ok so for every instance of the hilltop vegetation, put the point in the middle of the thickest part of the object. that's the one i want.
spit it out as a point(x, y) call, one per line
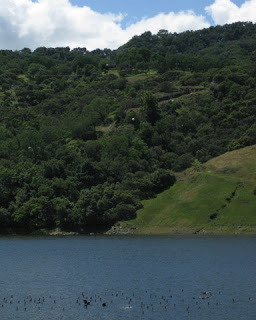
point(86, 136)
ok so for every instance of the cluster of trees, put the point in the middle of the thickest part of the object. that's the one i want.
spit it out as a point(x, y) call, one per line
point(83, 138)
point(200, 50)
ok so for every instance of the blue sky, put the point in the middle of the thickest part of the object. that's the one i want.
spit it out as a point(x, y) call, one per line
point(145, 7)
point(109, 24)
point(136, 9)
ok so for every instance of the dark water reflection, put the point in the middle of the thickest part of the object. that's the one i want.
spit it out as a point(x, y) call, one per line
point(126, 278)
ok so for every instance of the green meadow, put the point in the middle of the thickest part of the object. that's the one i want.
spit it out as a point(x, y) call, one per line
point(217, 197)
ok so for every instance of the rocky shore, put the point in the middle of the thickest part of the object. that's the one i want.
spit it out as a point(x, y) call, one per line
point(119, 230)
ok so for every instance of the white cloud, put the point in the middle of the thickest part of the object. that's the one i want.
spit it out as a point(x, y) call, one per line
point(225, 11)
point(54, 23)
point(173, 22)
point(24, 23)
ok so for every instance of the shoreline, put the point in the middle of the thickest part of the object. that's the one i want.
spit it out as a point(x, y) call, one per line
point(133, 231)
point(177, 231)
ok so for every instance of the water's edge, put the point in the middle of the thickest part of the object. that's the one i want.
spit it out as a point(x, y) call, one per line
point(122, 231)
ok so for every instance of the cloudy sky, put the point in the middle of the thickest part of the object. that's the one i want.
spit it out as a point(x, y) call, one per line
point(109, 23)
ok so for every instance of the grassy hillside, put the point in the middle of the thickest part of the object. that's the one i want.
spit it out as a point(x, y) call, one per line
point(217, 197)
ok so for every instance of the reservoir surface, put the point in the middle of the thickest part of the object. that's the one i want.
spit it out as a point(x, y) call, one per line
point(128, 278)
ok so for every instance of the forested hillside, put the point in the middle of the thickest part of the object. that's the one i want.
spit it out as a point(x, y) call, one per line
point(85, 136)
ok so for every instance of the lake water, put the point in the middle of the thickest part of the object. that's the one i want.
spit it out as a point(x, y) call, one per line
point(128, 278)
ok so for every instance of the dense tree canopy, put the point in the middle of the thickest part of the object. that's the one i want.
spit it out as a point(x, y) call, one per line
point(85, 136)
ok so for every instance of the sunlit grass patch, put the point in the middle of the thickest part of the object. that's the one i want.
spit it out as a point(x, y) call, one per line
point(218, 199)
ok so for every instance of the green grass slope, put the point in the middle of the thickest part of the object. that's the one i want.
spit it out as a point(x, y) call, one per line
point(217, 197)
